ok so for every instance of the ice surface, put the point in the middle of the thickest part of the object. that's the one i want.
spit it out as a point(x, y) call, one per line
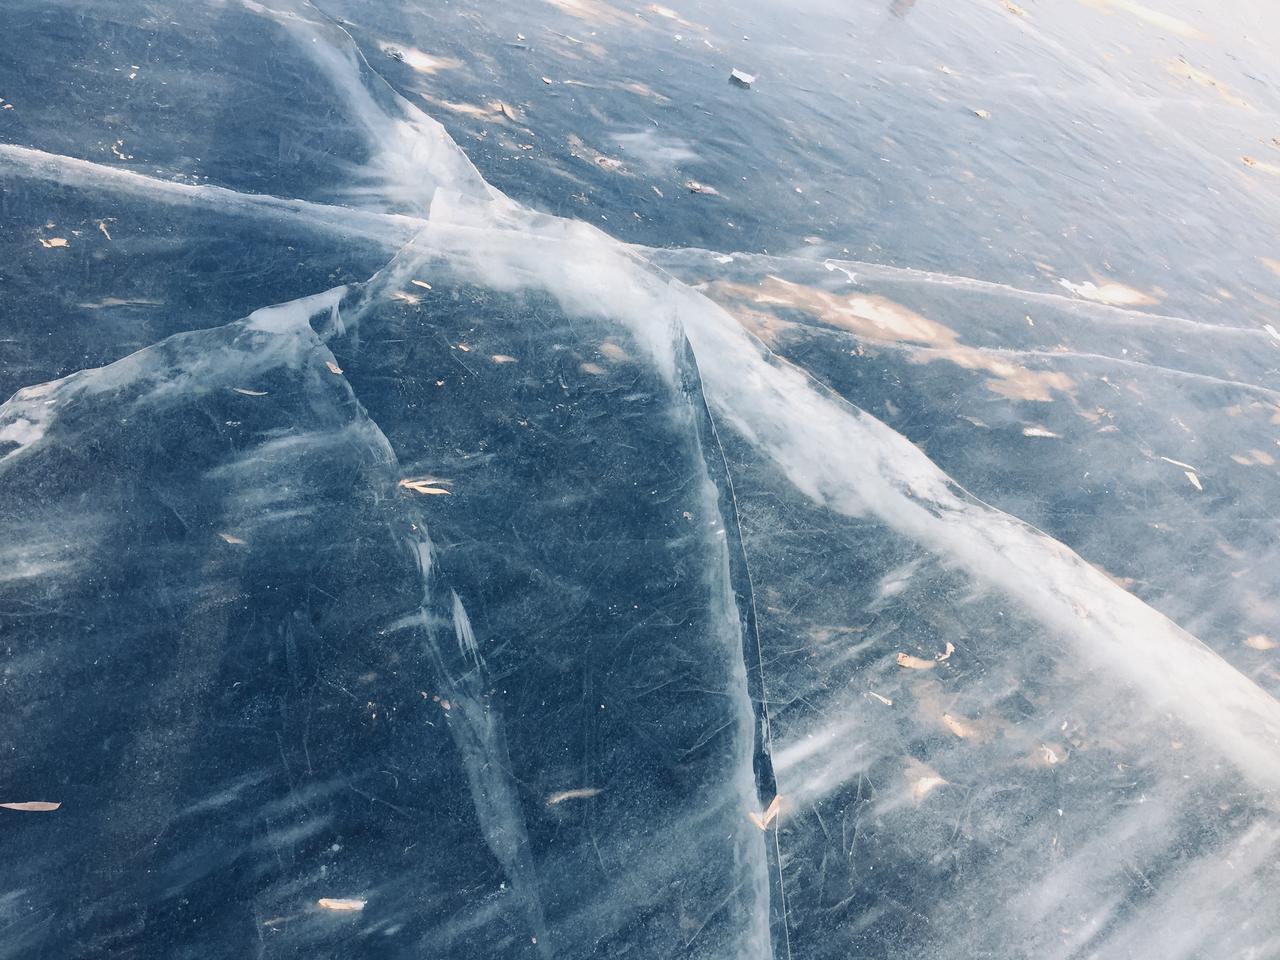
point(465, 541)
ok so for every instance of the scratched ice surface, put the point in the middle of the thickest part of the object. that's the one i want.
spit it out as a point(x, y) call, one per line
point(431, 527)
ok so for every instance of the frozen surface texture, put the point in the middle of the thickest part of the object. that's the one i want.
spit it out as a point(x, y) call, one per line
point(479, 483)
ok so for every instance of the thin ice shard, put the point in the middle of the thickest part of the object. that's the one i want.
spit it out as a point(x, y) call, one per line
point(466, 636)
point(578, 793)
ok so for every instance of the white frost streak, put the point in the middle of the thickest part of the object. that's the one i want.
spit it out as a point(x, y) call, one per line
point(817, 763)
point(852, 463)
point(387, 228)
point(413, 156)
point(837, 455)
point(292, 316)
point(466, 636)
point(832, 452)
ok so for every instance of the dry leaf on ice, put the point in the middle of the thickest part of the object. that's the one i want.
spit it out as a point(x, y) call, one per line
point(1261, 165)
point(770, 814)
point(957, 726)
point(914, 663)
point(1110, 292)
point(424, 485)
point(33, 806)
point(340, 904)
point(923, 780)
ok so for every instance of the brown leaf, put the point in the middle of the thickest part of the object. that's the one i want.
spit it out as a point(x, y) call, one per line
point(613, 351)
point(53, 242)
point(1260, 641)
point(957, 726)
point(231, 538)
point(921, 787)
point(421, 283)
point(424, 485)
point(333, 367)
point(1262, 165)
point(942, 657)
point(1110, 292)
point(33, 806)
point(923, 780)
point(340, 904)
point(1046, 756)
point(914, 663)
point(770, 814)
